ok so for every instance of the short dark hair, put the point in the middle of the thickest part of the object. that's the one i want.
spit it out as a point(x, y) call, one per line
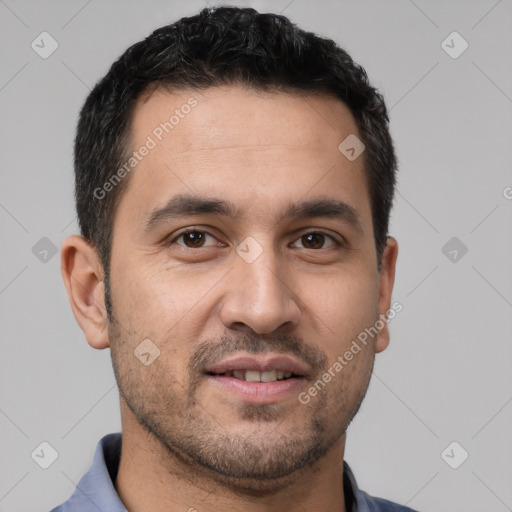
point(223, 46)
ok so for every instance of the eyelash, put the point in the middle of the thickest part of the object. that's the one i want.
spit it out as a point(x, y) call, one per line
point(172, 239)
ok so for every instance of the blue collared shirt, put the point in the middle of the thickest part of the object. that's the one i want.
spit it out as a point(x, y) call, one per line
point(95, 492)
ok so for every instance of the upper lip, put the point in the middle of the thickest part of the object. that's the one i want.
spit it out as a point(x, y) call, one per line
point(260, 364)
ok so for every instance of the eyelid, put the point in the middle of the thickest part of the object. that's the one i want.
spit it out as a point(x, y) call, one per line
point(171, 239)
point(319, 231)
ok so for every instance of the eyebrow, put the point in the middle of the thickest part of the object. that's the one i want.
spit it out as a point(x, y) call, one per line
point(186, 205)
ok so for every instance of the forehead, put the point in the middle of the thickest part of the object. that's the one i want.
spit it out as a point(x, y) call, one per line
point(257, 149)
point(232, 115)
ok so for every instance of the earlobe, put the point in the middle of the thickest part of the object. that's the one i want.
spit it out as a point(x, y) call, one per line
point(387, 280)
point(83, 275)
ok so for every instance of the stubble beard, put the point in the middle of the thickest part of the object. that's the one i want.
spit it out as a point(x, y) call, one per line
point(266, 460)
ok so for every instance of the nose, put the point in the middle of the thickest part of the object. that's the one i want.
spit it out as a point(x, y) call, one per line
point(259, 297)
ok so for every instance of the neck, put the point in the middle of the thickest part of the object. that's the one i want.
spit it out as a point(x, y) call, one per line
point(149, 477)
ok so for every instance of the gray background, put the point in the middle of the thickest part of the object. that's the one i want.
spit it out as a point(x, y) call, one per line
point(447, 373)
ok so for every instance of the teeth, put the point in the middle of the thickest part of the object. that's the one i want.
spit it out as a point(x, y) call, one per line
point(239, 374)
point(252, 376)
point(269, 376)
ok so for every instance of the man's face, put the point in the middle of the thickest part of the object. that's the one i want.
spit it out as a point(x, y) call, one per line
point(260, 295)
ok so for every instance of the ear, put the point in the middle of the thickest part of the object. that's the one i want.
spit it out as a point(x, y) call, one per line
point(386, 282)
point(83, 277)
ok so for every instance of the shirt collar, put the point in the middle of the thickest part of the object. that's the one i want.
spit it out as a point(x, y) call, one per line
point(95, 492)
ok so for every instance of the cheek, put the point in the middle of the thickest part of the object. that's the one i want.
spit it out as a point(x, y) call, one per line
point(148, 297)
point(167, 305)
point(342, 306)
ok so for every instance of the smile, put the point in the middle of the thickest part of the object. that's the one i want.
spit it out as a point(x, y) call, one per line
point(267, 379)
point(256, 376)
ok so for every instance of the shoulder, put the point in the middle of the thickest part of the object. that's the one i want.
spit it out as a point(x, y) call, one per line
point(368, 503)
point(363, 502)
point(96, 490)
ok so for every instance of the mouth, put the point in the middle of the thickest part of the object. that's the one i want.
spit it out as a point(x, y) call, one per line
point(257, 376)
point(259, 380)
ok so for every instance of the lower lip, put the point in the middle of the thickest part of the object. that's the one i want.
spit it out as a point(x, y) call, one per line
point(259, 392)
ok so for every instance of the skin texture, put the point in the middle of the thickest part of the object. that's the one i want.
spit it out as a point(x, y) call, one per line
point(187, 443)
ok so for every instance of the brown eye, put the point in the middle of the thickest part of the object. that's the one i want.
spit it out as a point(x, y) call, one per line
point(193, 239)
point(316, 240)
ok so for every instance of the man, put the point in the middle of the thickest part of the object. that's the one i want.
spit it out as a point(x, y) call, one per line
point(234, 178)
